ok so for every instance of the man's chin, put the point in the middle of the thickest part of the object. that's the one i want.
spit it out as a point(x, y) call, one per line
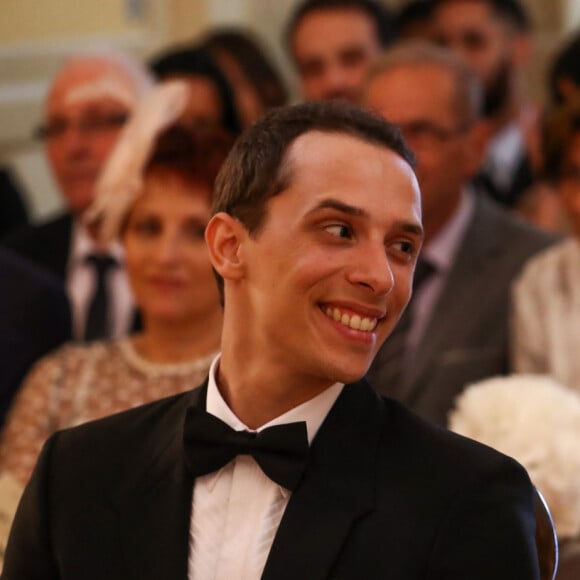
point(351, 374)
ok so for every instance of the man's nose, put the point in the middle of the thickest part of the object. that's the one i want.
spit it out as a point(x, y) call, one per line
point(73, 141)
point(336, 79)
point(373, 269)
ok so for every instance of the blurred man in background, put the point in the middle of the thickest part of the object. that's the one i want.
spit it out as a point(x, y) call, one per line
point(333, 44)
point(455, 330)
point(493, 37)
point(88, 103)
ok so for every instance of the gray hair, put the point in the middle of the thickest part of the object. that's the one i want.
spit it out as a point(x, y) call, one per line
point(136, 72)
point(468, 89)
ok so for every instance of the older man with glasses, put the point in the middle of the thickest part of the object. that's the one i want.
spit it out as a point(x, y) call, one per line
point(87, 105)
point(455, 330)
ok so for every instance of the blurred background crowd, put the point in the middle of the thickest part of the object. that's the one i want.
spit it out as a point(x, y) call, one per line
point(117, 116)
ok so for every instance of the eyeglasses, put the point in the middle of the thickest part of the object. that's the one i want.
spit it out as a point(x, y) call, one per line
point(86, 126)
point(424, 134)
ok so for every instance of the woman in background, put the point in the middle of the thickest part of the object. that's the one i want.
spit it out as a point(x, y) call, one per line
point(156, 195)
point(211, 101)
point(256, 83)
point(546, 297)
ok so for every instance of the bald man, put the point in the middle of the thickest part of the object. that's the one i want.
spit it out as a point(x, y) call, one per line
point(87, 105)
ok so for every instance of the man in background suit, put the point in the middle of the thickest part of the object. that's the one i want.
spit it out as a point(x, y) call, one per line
point(457, 325)
point(34, 319)
point(86, 107)
point(275, 468)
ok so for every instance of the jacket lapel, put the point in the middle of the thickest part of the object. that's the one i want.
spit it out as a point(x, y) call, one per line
point(460, 299)
point(155, 508)
point(337, 488)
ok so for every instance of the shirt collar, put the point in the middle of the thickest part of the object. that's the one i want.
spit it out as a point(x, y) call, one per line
point(313, 412)
point(83, 245)
point(504, 152)
point(442, 248)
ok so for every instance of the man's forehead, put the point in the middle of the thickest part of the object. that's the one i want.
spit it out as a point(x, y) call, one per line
point(340, 15)
point(474, 13)
point(314, 149)
point(94, 83)
point(383, 90)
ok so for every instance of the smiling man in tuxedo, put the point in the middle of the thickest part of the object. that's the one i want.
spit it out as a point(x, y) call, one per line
point(285, 464)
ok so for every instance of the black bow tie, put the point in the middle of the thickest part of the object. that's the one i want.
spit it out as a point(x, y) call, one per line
point(280, 451)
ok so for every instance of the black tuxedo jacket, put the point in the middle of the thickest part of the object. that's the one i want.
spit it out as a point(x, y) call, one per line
point(34, 318)
point(384, 495)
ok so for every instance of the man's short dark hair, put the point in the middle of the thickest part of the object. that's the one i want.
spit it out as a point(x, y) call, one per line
point(257, 168)
point(510, 11)
point(377, 12)
point(413, 12)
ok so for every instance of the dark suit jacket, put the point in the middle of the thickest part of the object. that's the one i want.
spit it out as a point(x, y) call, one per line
point(34, 319)
point(49, 246)
point(46, 244)
point(384, 495)
point(13, 210)
point(467, 336)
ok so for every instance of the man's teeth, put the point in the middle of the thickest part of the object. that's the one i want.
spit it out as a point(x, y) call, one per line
point(355, 321)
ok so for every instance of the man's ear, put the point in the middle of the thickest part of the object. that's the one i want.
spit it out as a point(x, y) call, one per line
point(224, 235)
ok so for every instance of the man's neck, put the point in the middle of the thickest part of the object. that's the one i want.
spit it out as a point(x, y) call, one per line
point(257, 390)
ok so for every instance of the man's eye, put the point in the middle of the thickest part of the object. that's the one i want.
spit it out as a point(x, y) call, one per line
point(473, 40)
point(339, 230)
point(441, 40)
point(405, 248)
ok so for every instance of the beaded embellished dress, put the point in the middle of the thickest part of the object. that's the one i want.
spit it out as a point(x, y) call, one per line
point(78, 383)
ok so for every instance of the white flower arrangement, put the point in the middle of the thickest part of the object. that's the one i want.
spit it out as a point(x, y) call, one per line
point(535, 420)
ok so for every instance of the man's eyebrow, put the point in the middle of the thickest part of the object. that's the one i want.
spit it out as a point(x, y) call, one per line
point(330, 203)
point(412, 228)
point(339, 206)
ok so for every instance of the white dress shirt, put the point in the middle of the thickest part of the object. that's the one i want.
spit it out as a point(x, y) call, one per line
point(236, 510)
point(81, 282)
point(505, 151)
